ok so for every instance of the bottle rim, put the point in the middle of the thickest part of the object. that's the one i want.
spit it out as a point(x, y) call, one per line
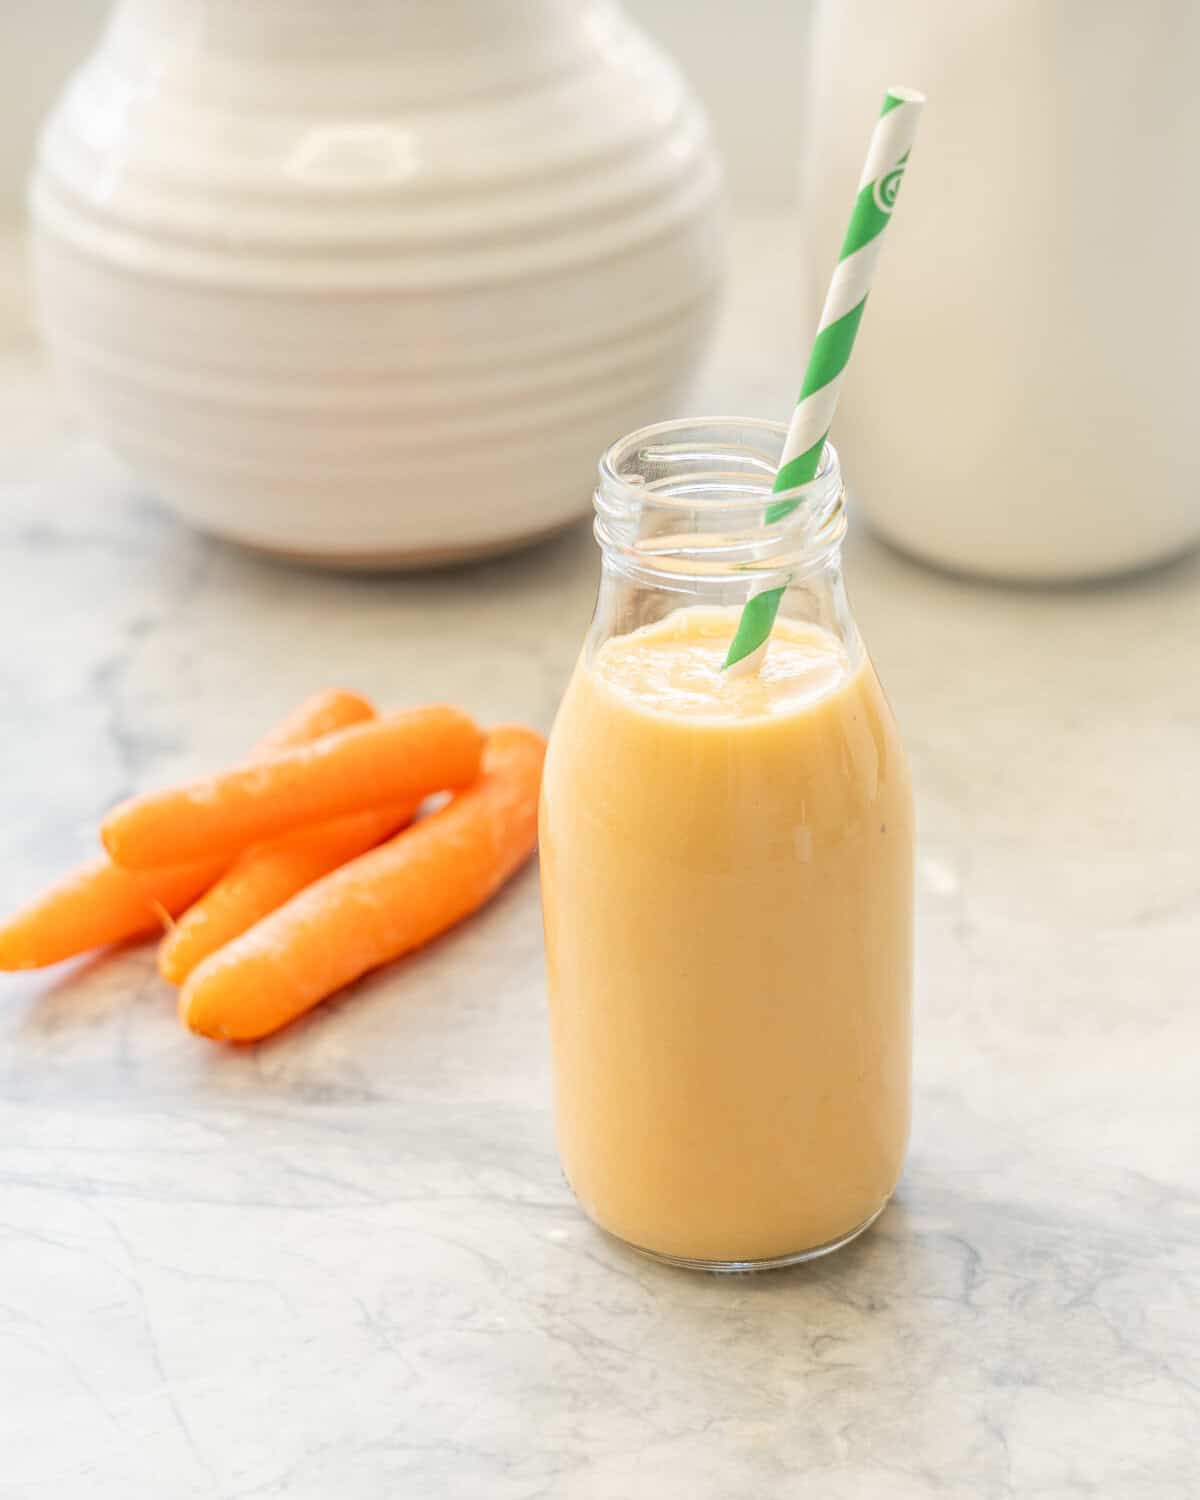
point(691, 498)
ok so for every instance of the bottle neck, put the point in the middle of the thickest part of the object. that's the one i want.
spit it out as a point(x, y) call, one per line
point(629, 600)
point(686, 517)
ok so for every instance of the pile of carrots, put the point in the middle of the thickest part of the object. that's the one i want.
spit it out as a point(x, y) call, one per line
point(286, 877)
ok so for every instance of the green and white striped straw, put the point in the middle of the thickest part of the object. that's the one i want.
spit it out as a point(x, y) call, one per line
point(887, 157)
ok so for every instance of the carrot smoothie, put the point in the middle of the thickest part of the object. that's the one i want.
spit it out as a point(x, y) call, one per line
point(728, 888)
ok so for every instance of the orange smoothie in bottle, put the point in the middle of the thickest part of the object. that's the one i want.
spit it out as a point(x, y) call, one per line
point(727, 887)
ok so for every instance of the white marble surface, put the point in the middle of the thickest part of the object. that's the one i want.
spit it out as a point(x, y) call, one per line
point(345, 1264)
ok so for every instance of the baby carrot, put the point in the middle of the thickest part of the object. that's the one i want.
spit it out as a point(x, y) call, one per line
point(264, 878)
point(99, 903)
point(95, 904)
point(401, 757)
point(378, 906)
point(322, 713)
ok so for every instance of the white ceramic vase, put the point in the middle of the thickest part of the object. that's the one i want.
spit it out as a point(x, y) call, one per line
point(374, 281)
point(1021, 399)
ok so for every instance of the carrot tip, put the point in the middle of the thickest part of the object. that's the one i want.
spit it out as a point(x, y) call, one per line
point(189, 1015)
point(168, 969)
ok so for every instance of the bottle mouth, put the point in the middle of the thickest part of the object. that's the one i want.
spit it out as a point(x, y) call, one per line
point(693, 499)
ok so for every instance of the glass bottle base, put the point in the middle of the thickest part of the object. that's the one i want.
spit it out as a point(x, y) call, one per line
point(745, 1267)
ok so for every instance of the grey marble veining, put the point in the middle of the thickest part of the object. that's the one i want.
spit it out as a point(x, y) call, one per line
point(344, 1263)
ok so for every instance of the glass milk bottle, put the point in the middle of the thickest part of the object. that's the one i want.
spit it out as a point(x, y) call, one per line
point(726, 872)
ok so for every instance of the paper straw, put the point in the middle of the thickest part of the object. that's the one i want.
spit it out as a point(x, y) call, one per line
point(887, 157)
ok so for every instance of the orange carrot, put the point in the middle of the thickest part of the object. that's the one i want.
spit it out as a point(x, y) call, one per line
point(264, 878)
point(99, 903)
point(323, 713)
point(95, 904)
point(378, 906)
point(398, 758)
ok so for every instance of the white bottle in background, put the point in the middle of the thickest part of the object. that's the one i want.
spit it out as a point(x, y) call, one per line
point(1022, 398)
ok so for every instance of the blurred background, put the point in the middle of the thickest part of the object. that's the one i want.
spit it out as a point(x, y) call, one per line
point(755, 128)
point(572, 221)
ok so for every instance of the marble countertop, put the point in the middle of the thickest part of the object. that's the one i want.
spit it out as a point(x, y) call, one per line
point(344, 1263)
